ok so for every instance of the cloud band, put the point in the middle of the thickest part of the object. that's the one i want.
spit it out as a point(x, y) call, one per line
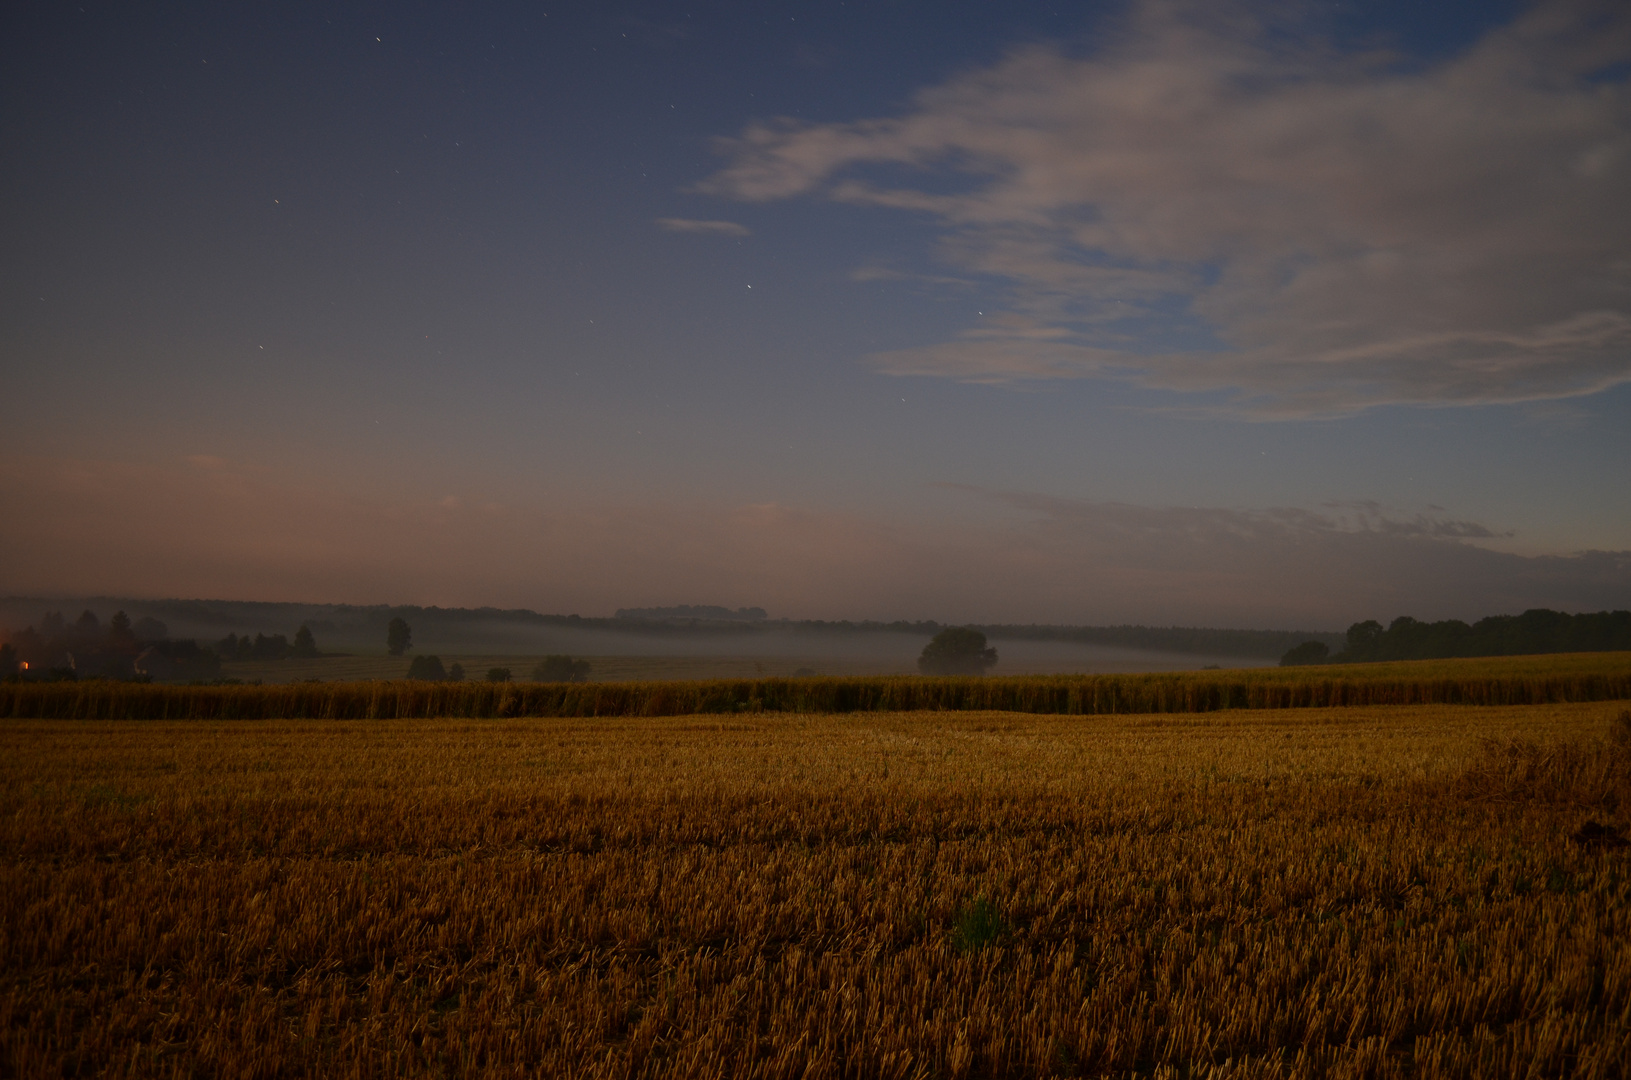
point(1338, 232)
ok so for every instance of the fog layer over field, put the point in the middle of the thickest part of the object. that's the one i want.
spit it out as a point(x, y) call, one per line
point(778, 648)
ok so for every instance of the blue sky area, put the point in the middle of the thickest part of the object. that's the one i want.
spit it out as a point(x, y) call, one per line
point(1231, 314)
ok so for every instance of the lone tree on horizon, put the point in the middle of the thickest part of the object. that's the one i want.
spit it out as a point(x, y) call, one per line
point(957, 650)
point(398, 636)
point(304, 643)
point(119, 632)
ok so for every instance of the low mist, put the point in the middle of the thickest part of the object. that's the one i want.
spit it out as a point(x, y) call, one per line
point(771, 647)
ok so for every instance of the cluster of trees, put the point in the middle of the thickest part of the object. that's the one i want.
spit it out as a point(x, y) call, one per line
point(1309, 652)
point(549, 669)
point(1537, 630)
point(268, 646)
point(959, 650)
point(399, 635)
point(560, 668)
point(1179, 639)
point(430, 669)
point(58, 649)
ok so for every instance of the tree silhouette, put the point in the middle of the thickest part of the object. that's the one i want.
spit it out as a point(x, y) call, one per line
point(557, 668)
point(1309, 652)
point(304, 643)
point(1362, 639)
point(398, 636)
point(428, 668)
point(956, 651)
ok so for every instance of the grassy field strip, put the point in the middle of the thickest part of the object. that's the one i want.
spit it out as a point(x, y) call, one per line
point(1390, 891)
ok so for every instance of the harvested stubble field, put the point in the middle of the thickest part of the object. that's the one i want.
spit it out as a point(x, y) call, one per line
point(1387, 891)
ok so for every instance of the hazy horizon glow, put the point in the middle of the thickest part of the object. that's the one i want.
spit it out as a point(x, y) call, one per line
point(1155, 312)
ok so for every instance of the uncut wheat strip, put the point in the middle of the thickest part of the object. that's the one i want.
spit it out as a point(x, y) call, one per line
point(1067, 694)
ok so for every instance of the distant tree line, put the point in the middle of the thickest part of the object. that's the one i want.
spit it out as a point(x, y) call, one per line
point(141, 650)
point(58, 650)
point(1181, 639)
point(1537, 630)
point(863, 626)
point(268, 646)
point(694, 611)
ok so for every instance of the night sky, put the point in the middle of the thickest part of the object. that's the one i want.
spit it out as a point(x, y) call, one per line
point(1264, 315)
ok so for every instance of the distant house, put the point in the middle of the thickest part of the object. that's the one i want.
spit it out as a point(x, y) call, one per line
point(155, 665)
point(98, 663)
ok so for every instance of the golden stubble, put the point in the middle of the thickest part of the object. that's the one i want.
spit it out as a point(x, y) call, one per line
point(1366, 892)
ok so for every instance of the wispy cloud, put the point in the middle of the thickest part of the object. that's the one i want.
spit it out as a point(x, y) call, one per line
point(1211, 204)
point(688, 225)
